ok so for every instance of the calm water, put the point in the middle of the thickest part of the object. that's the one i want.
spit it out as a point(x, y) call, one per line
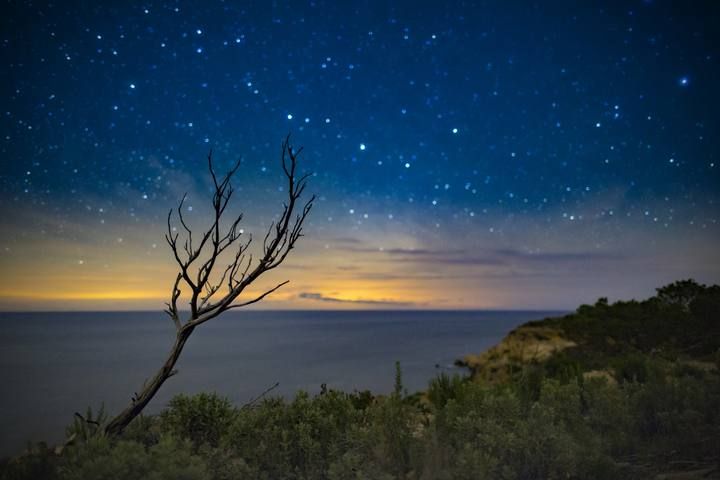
point(53, 364)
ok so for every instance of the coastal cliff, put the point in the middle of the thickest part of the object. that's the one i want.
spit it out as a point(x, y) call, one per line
point(527, 344)
point(679, 328)
point(658, 346)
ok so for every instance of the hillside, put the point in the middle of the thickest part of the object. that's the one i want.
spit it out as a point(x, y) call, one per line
point(679, 327)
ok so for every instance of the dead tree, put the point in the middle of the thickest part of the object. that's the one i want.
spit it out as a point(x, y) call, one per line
point(198, 260)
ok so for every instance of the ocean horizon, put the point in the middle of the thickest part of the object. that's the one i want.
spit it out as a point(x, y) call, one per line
point(56, 363)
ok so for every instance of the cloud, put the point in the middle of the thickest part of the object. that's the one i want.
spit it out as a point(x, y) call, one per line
point(381, 276)
point(556, 257)
point(422, 252)
point(425, 255)
point(322, 298)
point(347, 240)
point(496, 257)
point(504, 258)
point(453, 260)
point(415, 252)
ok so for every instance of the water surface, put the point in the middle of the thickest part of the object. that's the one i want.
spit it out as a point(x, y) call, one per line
point(53, 364)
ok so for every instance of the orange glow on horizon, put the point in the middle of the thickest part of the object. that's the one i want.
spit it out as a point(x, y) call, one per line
point(83, 295)
point(131, 269)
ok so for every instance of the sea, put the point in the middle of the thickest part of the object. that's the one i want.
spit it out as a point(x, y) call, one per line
point(55, 364)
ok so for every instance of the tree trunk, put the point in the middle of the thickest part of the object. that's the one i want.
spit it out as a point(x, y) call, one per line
point(140, 400)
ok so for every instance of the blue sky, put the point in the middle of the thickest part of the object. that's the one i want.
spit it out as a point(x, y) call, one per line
point(465, 155)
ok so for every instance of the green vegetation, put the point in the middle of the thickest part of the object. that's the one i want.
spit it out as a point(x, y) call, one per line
point(632, 393)
point(680, 325)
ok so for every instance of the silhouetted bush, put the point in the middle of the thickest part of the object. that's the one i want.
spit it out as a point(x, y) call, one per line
point(101, 459)
point(202, 418)
point(38, 462)
point(631, 368)
point(443, 388)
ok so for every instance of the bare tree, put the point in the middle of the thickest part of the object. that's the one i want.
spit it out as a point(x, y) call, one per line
point(210, 296)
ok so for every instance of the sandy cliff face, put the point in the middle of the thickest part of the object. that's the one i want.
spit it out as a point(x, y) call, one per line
point(526, 344)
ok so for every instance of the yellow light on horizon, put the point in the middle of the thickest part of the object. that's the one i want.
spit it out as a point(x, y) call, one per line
point(100, 295)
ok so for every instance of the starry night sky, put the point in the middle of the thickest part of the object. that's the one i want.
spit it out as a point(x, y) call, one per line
point(465, 154)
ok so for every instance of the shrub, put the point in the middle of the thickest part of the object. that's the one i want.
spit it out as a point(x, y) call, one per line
point(144, 429)
point(631, 368)
point(296, 440)
point(202, 418)
point(443, 388)
point(85, 427)
point(39, 462)
point(100, 459)
point(609, 414)
point(392, 426)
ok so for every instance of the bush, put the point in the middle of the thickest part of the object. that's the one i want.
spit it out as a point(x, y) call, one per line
point(202, 418)
point(631, 368)
point(39, 462)
point(144, 429)
point(85, 427)
point(609, 415)
point(489, 433)
point(296, 440)
point(392, 424)
point(444, 388)
point(99, 459)
point(534, 427)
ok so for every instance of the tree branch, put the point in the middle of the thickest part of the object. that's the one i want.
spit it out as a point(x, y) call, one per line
point(257, 299)
point(237, 275)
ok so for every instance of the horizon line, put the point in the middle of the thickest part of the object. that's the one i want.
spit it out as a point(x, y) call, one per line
point(344, 310)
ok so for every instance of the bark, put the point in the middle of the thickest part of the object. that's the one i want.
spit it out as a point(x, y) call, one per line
point(140, 400)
